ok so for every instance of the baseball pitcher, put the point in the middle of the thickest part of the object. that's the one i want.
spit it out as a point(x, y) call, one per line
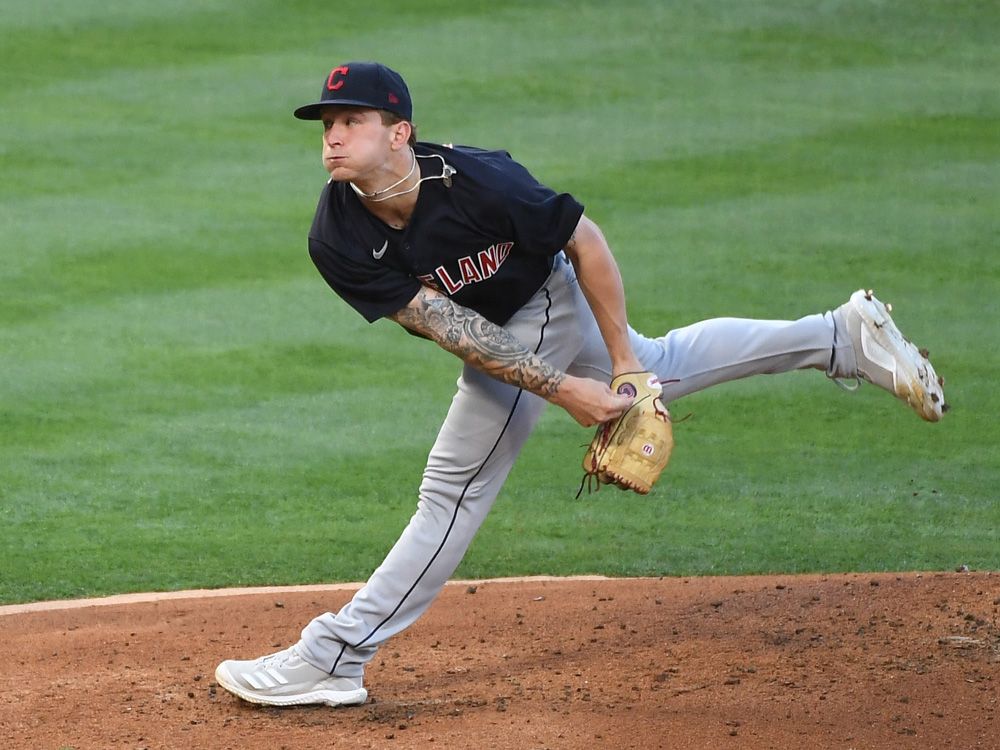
point(463, 247)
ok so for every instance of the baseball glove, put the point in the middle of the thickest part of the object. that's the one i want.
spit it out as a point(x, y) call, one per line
point(632, 450)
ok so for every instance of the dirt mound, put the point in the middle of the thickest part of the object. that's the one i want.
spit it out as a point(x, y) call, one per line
point(855, 661)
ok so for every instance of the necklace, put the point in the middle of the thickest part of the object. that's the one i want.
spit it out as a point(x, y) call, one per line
point(447, 171)
point(379, 195)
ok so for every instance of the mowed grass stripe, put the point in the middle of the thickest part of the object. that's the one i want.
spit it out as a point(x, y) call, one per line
point(184, 403)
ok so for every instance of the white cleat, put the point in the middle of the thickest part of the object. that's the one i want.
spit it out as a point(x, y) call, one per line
point(888, 359)
point(285, 679)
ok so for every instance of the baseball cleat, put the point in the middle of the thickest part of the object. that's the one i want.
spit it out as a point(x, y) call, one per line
point(888, 359)
point(285, 679)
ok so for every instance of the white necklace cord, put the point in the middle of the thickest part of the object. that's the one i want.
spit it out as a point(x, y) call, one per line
point(400, 181)
point(379, 195)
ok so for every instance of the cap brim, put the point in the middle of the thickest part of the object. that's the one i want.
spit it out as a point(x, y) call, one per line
point(312, 111)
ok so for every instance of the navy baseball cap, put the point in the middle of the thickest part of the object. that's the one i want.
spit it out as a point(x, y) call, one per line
point(362, 84)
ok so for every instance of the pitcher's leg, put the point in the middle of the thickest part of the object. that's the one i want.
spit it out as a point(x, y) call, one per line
point(856, 340)
point(475, 449)
point(715, 351)
point(486, 426)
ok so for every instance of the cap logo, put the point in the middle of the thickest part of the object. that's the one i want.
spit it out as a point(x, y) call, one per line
point(393, 99)
point(336, 79)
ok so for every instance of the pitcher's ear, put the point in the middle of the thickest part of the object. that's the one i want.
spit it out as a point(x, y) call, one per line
point(401, 134)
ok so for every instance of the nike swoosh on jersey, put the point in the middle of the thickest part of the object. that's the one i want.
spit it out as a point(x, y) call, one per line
point(377, 254)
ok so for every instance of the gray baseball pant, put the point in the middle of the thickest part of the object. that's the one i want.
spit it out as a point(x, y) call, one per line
point(489, 421)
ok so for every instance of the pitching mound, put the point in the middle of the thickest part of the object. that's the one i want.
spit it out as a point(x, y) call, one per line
point(857, 661)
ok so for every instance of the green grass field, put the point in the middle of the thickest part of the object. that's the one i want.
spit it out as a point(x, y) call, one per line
point(183, 402)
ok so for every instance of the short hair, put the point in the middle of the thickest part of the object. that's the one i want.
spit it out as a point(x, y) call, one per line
point(391, 118)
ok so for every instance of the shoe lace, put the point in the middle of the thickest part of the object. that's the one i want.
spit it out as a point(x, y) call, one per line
point(279, 658)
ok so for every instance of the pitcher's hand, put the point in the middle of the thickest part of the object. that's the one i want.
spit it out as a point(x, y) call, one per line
point(589, 401)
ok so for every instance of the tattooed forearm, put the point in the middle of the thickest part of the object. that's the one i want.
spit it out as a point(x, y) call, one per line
point(478, 342)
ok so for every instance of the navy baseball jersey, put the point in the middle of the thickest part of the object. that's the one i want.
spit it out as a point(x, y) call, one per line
point(486, 237)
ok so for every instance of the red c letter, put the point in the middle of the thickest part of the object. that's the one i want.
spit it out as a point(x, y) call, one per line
point(337, 73)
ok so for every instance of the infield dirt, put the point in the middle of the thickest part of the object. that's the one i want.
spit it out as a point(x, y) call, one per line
point(860, 661)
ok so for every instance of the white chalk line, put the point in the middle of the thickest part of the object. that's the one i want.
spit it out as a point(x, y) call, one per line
point(161, 596)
